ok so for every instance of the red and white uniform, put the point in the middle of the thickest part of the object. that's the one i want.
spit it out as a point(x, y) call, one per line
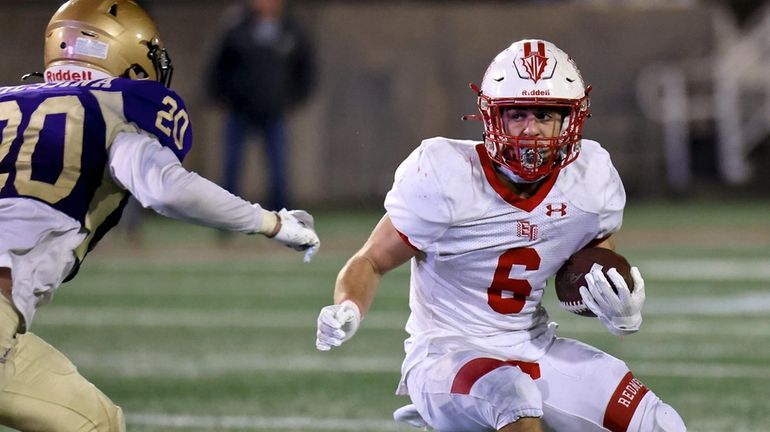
point(479, 335)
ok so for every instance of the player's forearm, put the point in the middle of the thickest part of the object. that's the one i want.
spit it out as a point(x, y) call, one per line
point(358, 282)
point(157, 180)
point(192, 198)
point(360, 277)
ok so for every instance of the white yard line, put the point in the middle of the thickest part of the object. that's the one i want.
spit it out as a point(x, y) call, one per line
point(735, 304)
point(179, 421)
point(706, 269)
point(169, 365)
point(672, 268)
point(700, 370)
point(122, 316)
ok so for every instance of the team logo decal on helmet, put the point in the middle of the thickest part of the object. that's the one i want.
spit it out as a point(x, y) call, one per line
point(534, 63)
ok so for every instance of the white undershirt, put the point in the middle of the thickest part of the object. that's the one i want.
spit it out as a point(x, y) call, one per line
point(157, 180)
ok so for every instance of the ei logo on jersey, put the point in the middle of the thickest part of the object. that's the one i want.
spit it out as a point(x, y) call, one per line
point(527, 230)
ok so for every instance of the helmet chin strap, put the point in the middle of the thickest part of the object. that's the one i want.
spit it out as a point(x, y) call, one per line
point(513, 177)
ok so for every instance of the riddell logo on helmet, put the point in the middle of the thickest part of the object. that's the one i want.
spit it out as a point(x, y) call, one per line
point(545, 92)
point(67, 75)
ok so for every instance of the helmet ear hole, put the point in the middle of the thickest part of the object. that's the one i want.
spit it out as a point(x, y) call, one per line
point(113, 10)
point(136, 72)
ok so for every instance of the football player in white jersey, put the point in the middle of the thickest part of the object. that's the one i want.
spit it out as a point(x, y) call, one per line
point(102, 127)
point(485, 225)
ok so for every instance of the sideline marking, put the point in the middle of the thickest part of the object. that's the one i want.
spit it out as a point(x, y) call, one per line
point(244, 422)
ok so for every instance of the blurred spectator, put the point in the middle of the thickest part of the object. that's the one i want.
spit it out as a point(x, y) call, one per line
point(744, 9)
point(261, 69)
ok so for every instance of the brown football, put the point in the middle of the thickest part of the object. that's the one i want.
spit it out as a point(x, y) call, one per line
point(571, 276)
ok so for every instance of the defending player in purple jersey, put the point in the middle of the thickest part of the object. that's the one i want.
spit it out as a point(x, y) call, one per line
point(72, 150)
point(85, 116)
point(57, 137)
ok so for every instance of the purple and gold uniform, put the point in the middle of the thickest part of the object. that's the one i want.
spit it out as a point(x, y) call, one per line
point(72, 151)
point(56, 138)
point(59, 194)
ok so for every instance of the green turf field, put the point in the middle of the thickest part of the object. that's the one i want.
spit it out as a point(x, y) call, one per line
point(187, 334)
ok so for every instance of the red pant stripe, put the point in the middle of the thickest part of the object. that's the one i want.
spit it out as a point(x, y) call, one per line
point(477, 368)
point(623, 403)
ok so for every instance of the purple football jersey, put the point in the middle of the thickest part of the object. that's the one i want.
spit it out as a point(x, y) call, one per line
point(56, 139)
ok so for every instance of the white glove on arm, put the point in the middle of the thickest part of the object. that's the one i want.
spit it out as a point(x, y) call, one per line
point(336, 324)
point(621, 313)
point(297, 232)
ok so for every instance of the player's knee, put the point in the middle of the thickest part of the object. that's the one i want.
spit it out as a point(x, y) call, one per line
point(667, 419)
point(46, 376)
point(525, 424)
point(112, 420)
point(100, 413)
point(660, 417)
point(511, 393)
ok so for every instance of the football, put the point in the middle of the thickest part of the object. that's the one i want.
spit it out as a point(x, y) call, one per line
point(571, 276)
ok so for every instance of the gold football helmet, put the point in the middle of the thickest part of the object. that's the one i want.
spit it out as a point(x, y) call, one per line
point(116, 37)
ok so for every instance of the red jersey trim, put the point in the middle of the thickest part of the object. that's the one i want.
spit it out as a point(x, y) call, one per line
point(406, 240)
point(526, 204)
point(623, 403)
point(478, 367)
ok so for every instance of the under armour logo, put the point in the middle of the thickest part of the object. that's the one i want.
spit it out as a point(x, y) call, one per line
point(561, 210)
point(527, 230)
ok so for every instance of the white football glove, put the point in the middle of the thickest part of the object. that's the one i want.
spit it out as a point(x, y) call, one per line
point(336, 324)
point(297, 232)
point(621, 313)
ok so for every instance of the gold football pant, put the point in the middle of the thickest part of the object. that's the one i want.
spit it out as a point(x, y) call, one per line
point(41, 390)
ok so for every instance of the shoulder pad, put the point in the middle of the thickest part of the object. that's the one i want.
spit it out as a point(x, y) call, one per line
point(159, 111)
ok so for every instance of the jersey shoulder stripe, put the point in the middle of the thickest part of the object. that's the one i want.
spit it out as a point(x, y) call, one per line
point(154, 109)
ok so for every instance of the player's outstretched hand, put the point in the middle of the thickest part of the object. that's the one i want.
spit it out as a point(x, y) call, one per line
point(620, 312)
point(336, 324)
point(298, 232)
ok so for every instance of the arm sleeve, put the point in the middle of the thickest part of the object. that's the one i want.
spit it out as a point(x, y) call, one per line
point(157, 179)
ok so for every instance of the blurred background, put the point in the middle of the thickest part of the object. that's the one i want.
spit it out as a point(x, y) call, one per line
point(680, 89)
point(186, 332)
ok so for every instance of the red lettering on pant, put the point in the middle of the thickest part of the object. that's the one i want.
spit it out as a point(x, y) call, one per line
point(477, 368)
point(623, 403)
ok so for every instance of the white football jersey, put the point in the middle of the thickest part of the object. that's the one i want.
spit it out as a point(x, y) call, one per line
point(486, 253)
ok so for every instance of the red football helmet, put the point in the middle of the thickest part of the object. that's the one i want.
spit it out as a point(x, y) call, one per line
point(533, 73)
